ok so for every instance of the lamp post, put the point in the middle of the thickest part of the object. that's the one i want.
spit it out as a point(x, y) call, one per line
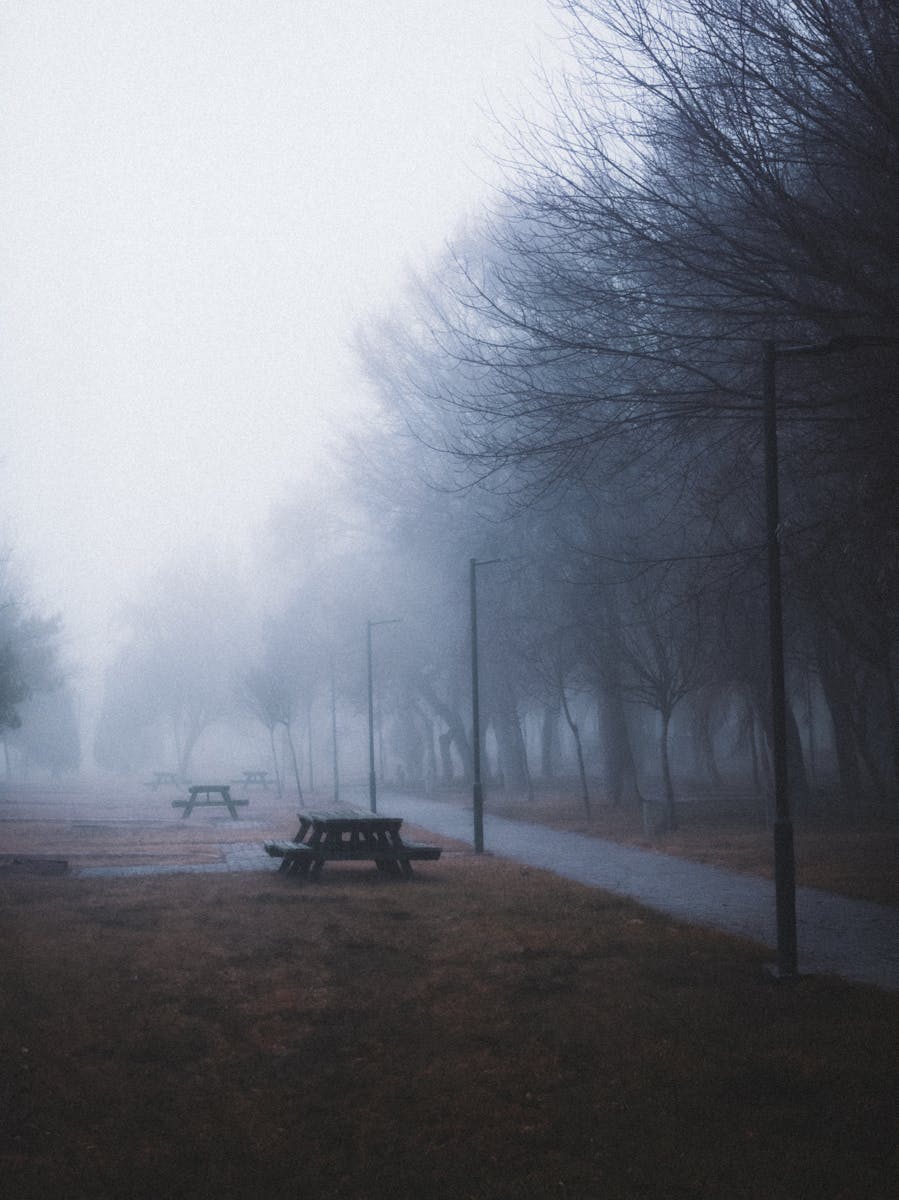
point(784, 856)
point(334, 757)
point(372, 785)
point(477, 790)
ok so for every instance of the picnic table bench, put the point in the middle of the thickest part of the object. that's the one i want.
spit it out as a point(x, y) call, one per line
point(349, 836)
point(210, 791)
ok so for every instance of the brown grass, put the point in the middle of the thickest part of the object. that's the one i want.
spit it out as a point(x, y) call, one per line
point(485, 1031)
point(857, 858)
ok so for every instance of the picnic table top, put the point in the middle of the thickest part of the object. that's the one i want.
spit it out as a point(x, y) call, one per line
point(350, 817)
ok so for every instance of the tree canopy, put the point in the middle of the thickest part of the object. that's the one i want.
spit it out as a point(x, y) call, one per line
point(712, 176)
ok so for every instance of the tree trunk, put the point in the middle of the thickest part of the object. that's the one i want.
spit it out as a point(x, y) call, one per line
point(455, 732)
point(430, 753)
point(767, 768)
point(810, 724)
point(549, 741)
point(703, 741)
point(184, 760)
point(185, 744)
point(445, 741)
point(278, 787)
point(866, 753)
point(293, 759)
point(510, 745)
point(572, 725)
point(619, 771)
point(836, 696)
point(800, 792)
point(761, 767)
point(670, 812)
point(754, 754)
point(523, 755)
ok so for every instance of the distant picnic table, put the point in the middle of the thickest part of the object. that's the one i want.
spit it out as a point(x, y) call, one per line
point(347, 835)
point(259, 777)
point(210, 790)
point(164, 779)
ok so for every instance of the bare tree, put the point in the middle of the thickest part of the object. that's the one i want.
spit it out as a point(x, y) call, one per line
point(714, 173)
point(172, 678)
point(667, 648)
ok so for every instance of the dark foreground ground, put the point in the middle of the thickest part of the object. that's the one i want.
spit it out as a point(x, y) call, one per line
point(485, 1031)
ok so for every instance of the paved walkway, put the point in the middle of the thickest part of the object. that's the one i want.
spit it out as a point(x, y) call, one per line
point(836, 936)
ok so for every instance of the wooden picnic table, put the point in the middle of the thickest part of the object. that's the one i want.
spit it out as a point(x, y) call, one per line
point(260, 777)
point(348, 835)
point(164, 779)
point(209, 790)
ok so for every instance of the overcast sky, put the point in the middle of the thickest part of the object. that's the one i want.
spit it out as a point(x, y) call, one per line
point(199, 200)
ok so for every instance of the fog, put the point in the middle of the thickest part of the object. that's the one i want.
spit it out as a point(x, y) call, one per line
point(304, 310)
point(199, 201)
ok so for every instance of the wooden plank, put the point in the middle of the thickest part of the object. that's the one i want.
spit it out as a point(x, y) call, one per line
point(418, 850)
point(344, 816)
point(279, 849)
point(353, 853)
point(209, 804)
point(355, 828)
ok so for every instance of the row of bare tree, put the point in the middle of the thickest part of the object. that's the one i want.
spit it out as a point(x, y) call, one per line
point(710, 176)
point(575, 390)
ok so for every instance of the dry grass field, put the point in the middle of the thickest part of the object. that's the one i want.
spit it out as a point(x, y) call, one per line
point(483, 1032)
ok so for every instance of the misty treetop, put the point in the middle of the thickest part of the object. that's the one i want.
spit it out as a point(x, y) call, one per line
point(710, 175)
point(38, 720)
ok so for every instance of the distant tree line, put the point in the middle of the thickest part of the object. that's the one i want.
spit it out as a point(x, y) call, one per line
point(38, 708)
point(712, 176)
